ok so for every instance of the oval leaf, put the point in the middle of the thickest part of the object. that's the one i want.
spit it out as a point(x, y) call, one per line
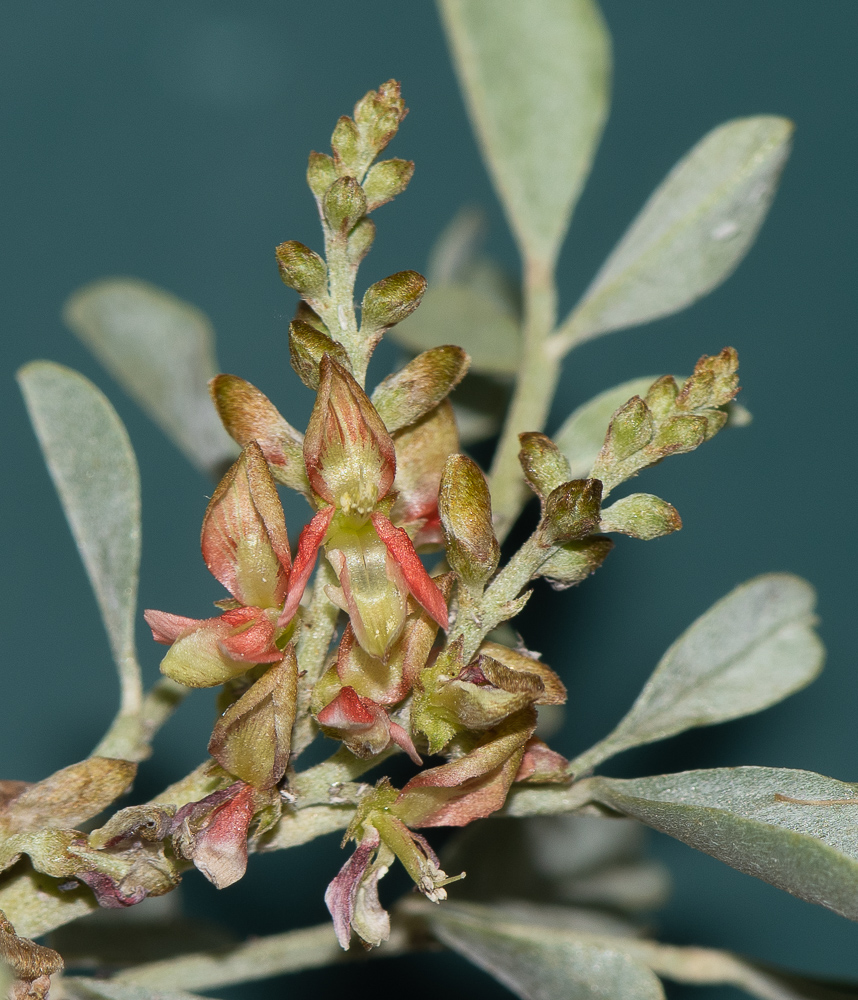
point(161, 350)
point(743, 817)
point(535, 78)
point(92, 464)
point(753, 648)
point(582, 434)
point(541, 961)
point(461, 315)
point(692, 233)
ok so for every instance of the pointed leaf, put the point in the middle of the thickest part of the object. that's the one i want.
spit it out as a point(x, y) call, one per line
point(694, 230)
point(466, 316)
point(535, 78)
point(748, 817)
point(541, 961)
point(752, 649)
point(582, 434)
point(161, 350)
point(92, 464)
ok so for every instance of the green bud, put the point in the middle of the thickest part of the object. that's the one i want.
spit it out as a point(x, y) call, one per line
point(360, 239)
point(571, 563)
point(307, 347)
point(302, 269)
point(344, 204)
point(465, 507)
point(385, 181)
point(252, 738)
point(405, 396)
point(306, 314)
point(390, 300)
point(630, 429)
point(714, 382)
point(378, 115)
point(346, 145)
point(545, 466)
point(661, 398)
point(571, 512)
point(678, 435)
point(641, 515)
point(321, 174)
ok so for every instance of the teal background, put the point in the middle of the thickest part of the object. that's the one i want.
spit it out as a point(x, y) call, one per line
point(169, 140)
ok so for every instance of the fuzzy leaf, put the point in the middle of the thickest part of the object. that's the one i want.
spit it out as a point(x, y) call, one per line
point(541, 961)
point(582, 434)
point(693, 231)
point(535, 78)
point(69, 796)
point(750, 650)
point(463, 315)
point(92, 464)
point(84, 988)
point(35, 905)
point(161, 350)
point(740, 816)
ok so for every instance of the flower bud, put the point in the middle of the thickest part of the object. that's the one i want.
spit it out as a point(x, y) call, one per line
point(679, 435)
point(465, 508)
point(321, 174)
point(545, 466)
point(359, 241)
point(302, 269)
point(571, 512)
point(405, 396)
point(571, 563)
point(307, 347)
point(253, 737)
point(641, 515)
point(346, 145)
point(385, 181)
point(390, 300)
point(661, 397)
point(344, 205)
point(378, 114)
point(249, 415)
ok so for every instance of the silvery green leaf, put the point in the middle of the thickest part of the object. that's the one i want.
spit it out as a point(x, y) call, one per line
point(693, 231)
point(541, 959)
point(750, 650)
point(582, 434)
point(469, 318)
point(92, 464)
point(84, 988)
point(161, 350)
point(794, 829)
point(535, 77)
point(34, 905)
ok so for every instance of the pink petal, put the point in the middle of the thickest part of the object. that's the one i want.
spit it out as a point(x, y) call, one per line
point(419, 582)
point(342, 892)
point(309, 543)
point(347, 711)
point(166, 628)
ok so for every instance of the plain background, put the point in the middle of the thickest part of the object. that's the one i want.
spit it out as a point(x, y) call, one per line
point(169, 141)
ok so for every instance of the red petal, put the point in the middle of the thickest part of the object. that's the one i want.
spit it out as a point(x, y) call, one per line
point(341, 894)
point(250, 636)
point(219, 849)
point(419, 582)
point(400, 737)
point(541, 763)
point(166, 628)
point(347, 711)
point(309, 543)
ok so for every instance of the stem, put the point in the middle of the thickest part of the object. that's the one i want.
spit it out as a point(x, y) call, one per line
point(532, 397)
point(130, 734)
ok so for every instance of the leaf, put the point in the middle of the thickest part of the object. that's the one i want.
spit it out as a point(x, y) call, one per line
point(35, 905)
point(92, 464)
point(535, 78)
point(161, 350)
point(541, 961)
point(68, 797)
point(692, 233)
point(738, 815)
point(465, 316)
point(750, 650)
point(84, 988)
point(582, 434)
